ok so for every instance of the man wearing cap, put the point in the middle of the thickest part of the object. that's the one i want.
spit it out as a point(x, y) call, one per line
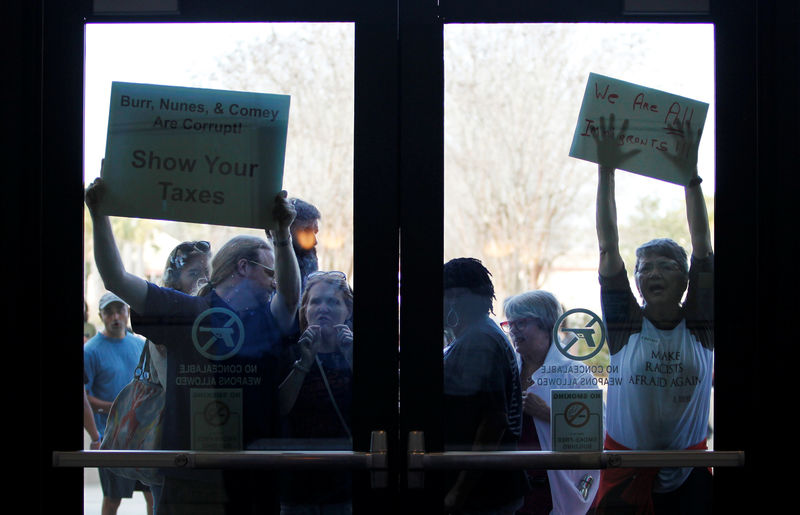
point(109, 360)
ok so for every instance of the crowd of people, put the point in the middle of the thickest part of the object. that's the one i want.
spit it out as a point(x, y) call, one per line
point(661, 368)
point(253, 343)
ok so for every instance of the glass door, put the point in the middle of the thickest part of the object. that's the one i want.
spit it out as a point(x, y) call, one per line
point(411, 135)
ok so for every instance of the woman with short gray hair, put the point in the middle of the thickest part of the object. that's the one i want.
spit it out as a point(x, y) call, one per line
point(530, 320)
point(662, 352)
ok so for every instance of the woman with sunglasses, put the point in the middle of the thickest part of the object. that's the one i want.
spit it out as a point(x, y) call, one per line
point(224, 345)
point(316, 395)
point(186, 271)
point(531, 317)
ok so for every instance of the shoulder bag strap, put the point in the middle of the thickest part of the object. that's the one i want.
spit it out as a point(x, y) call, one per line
point(333, 400)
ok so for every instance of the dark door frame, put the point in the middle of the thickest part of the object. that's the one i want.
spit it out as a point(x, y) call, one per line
point(398, 160)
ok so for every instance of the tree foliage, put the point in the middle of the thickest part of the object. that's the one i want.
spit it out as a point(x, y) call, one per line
point(514, 198)
point(313, 64)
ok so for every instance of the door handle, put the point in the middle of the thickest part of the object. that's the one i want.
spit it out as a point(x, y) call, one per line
point(374, 460)
point(419, 461)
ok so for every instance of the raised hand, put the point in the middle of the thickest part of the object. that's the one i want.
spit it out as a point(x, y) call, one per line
point(609, 150)
point(283, 212)
point(686, 146)
point(94, 194)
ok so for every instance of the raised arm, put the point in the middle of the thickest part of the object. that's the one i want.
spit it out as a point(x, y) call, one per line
point(606, 222)
point(609, 156)
point(128, 287)
point(287, 272)
point(696, 214)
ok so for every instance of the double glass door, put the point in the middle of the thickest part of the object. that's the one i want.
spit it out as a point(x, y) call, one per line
point(416, 135)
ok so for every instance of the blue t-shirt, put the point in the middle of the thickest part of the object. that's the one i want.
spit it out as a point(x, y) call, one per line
point(109, 364)
point(222, 369)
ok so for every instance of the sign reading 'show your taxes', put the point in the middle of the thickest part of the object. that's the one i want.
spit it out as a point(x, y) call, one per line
point(652, 137)
point(194, 155)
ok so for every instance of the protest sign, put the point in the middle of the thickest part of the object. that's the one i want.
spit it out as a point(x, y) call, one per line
point(652, 132)
point(194, 155)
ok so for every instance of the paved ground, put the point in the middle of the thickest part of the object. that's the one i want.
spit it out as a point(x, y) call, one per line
point(93, 497)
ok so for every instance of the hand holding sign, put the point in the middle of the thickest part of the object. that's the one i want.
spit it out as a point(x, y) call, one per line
point(686, 145)
point(283, 212)
point(93, 195)
point(656, 139)
point(195, 155)
point(609, 152)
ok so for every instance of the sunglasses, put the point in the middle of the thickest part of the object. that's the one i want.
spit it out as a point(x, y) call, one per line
point(267, 270)
point(332, 273)
point(181, 252)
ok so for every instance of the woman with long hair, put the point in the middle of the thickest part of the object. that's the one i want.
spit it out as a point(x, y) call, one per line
point(316, 396)
point(224, 347)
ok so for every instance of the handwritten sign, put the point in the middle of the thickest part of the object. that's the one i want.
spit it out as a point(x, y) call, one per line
point(576, 420)
point(652, 115)
point(194, 155)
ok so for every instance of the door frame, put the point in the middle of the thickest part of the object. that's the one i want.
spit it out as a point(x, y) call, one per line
point(399, 132)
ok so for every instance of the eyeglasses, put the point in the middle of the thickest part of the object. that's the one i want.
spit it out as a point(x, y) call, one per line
point(179, 255)
point(267, 270)
point(332, 273)
point(661, 266)
point(520, 324)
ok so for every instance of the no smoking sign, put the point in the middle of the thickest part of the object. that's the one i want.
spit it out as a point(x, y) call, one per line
point(577, 420)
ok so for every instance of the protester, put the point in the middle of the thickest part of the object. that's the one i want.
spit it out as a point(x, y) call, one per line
point(531, 317)
point(224, 348)
point(186, 270)
point(304, 237)
point(109, 361)
point(482, 394)
point(317, 394)
point(662, 352)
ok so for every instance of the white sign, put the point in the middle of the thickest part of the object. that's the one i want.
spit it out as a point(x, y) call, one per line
point(576, 420)
point(194, 155)
point(652, 139)
point(216, 419)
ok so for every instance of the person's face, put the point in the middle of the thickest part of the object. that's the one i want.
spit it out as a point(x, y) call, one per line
point(531, 341)
point(660, 280)
point(306, 236)
point(193, 275)
point(261, 273)
point(452, 300)
point(115, 319)
point(326, 306)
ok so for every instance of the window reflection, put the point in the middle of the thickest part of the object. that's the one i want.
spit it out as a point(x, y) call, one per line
point(240, 320)
point(515, 200)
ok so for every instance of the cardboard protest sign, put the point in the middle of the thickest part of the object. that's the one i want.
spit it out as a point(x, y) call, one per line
point(194, 155)
point(652, 116)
